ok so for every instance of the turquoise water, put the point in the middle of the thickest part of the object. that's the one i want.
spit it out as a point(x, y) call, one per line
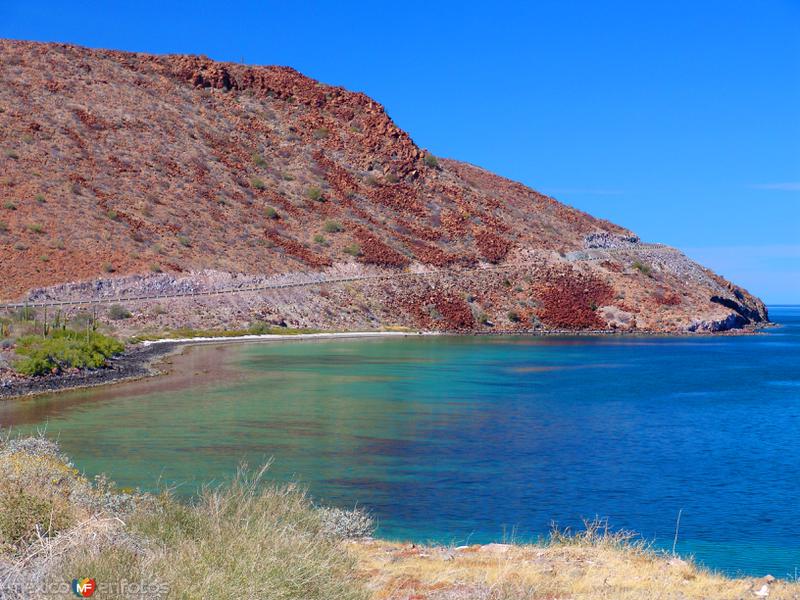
point(460, 439)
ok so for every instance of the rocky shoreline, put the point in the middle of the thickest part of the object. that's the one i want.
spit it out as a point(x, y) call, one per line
point(134, 363)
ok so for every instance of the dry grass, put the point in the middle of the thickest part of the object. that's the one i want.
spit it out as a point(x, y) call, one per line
point(593, 564)
point(250, 539)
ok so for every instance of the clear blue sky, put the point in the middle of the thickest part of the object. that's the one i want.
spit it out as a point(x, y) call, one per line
point(678, 119)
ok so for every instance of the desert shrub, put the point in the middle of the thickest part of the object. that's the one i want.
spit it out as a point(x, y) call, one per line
point(319, 239)
point(184, 241)
point(392, 178)
point(430, 160)
point(333, 227)
point(11, 154)
point(44, 258)
point(24, 516)
point(26, 313)
point(315, 193)
point(20, 246)
point(65, 349)
point(352, 249)
point(321, 133)
point(371, 180)
point(513, 316)
point(346, 524)
point(258, 160)
point(8, 205)
point(113, 215)
point(642, 268)
point(118, 312)
point(3, 227)
point(271, 213)
point(108, 267)
point(36, 228)
point(155, 268)
point(258, 183)
point(40, 199)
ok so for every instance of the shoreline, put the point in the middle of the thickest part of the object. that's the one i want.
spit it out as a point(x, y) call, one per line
point(142, 360)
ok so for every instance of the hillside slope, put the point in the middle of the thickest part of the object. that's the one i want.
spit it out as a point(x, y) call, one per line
point(134, 174)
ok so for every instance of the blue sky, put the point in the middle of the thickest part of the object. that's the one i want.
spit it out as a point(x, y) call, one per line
point(679, 119)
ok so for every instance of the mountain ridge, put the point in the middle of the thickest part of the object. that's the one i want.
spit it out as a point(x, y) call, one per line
point(129, 171)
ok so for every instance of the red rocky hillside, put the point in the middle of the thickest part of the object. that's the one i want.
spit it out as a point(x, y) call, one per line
point(137, 175)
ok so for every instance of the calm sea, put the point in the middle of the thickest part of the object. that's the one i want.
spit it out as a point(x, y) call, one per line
point(472, 439)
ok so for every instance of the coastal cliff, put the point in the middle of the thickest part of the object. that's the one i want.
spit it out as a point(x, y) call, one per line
point(212, 195)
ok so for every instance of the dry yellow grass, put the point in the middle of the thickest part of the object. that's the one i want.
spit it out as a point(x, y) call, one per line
point(556, 571)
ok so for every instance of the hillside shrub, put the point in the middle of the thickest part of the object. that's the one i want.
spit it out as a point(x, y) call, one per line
point(333, 227)
point(65, 349)
point(258, 183)
point(430, 160)
point(117, 312)
point(642, 268)
point(353, 250)
point(315, 193)
point(271, 213)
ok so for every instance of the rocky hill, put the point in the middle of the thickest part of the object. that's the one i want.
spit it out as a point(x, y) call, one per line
point(137, 175)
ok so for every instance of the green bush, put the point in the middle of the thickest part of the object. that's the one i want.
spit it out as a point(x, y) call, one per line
point(430, 160)
point(333, 227)
point(513, 316)
point(63, 350)
point(36, 228)
point(353, 250)
point(258, 160)
point(184, 241)
point(319, 239)
point(23, 514)
point(271, 213)
point(315, 193)
point(321, 133)
point(9, 205)
point(118, 312)
point(258, 183)
point(642, 268)
point(3, 227)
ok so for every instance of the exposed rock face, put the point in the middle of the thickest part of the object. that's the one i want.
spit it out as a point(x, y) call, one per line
point(131, 172)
